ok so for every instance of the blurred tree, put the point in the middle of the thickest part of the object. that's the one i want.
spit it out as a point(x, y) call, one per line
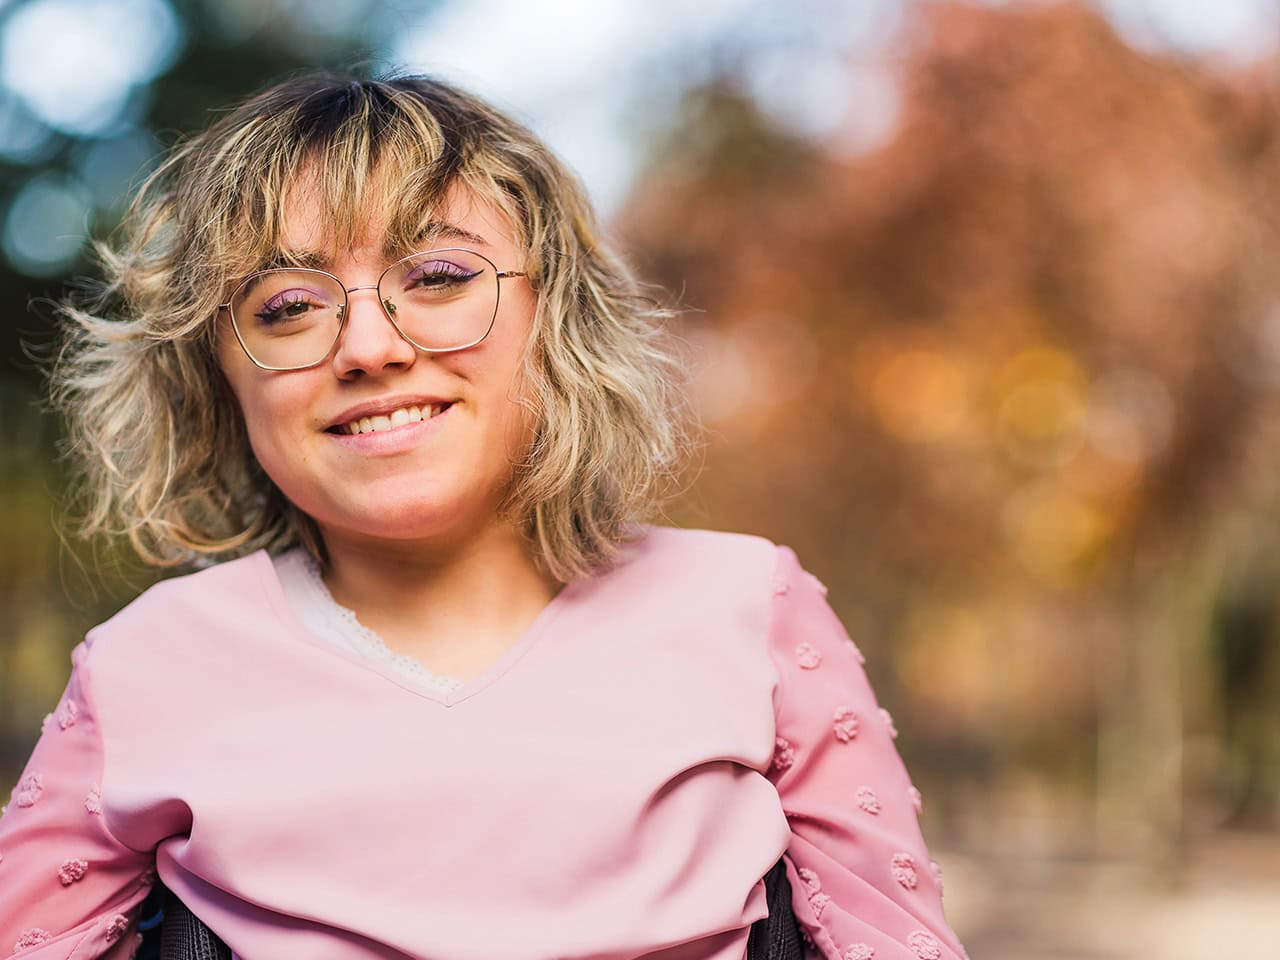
point(1007, 381)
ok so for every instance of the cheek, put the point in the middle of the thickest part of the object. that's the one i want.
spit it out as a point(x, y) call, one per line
point(264, 410)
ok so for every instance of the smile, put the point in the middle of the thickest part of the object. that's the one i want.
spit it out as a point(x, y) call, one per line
point(389, 421)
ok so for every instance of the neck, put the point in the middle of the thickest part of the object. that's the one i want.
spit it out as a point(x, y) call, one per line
point(474, 591)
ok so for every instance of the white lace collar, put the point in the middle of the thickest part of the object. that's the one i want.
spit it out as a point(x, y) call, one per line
point(314, 605)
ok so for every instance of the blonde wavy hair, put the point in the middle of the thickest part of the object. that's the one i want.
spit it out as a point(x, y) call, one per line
point(162, 454)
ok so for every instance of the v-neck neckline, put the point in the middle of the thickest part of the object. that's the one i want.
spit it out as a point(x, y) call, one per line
point(279, 602)
point(312, 603)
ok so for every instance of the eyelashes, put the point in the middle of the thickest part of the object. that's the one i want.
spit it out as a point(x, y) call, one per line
point(289, 305)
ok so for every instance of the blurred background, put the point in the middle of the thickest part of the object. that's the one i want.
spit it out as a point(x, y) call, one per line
point(983, 306)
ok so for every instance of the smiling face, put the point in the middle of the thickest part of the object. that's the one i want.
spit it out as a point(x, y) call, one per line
point(414, 476)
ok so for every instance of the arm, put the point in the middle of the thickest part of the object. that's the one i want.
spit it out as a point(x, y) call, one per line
point(863, 886)
point(68, 888)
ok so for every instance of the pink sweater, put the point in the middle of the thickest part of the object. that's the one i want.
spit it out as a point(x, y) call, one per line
point(615, 786)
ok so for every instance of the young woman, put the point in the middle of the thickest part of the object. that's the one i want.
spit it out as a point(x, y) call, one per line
point(443, 694)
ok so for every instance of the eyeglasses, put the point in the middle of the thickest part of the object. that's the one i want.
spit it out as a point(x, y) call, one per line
point(291, 318)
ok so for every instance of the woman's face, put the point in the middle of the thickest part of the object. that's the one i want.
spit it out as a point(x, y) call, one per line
point(432, 479)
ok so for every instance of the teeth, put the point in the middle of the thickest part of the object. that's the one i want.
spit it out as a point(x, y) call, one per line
point(396, 418)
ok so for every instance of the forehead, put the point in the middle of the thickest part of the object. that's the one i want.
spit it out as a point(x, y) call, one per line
point(462, 218)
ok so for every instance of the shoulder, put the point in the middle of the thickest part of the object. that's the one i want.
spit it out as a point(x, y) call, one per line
point(705, 561)
point(232, 588)
point(176, 642)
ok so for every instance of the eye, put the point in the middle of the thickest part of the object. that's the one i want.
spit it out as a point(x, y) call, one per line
point(438, 275)
point(289, 305)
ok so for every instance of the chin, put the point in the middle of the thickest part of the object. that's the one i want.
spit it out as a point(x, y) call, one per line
point(411, 518)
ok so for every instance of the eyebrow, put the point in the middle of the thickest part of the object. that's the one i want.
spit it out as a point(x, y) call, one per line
point(432, 232)
point(444, 230)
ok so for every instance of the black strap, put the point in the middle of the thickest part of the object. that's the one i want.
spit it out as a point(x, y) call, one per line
point(183, 936)
point(777, 936)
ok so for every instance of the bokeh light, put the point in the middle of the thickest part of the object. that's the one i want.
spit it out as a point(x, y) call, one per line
point(116, 47)
point(752, 371)
point(23, 138)
point(1239, 29)
point(1131, 415)
point(46, 225)
point(1041, 406)
point(1052, 531)
point(109, 167)
point(921, 394)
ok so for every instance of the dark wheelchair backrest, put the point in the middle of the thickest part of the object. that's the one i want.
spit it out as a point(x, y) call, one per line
point(172, 932)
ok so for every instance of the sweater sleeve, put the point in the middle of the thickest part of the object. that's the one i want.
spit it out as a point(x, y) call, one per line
point(863, 886)
point(68, 888)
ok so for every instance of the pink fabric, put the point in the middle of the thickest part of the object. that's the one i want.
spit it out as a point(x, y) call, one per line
point(615, 786)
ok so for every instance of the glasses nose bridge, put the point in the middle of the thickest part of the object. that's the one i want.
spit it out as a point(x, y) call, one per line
point(347, 291)
point(386, 308)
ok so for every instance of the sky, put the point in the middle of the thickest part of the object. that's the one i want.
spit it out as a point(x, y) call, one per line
point(593, 78)
point(585, 90)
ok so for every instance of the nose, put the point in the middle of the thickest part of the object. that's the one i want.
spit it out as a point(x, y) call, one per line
point(369, 343)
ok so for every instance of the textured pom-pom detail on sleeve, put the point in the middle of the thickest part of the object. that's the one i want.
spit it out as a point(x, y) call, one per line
point(807, 656)
point(116, 926)
point(66, 873)
point(819, 902)
point(925, 945)
point(28, 791)
point(888, 722)
point(784, 755)
point(904, 870)
point(30, 938)
point(93, 801)
point(846, 793)
point(845, 724)
point(813, 890)
point(867, 800)
point(810, 878)
point(71, 871)
point(816, 583)
point(917, 801)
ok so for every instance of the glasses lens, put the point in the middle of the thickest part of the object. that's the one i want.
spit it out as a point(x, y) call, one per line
point(442, 299)
point(288, 318)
